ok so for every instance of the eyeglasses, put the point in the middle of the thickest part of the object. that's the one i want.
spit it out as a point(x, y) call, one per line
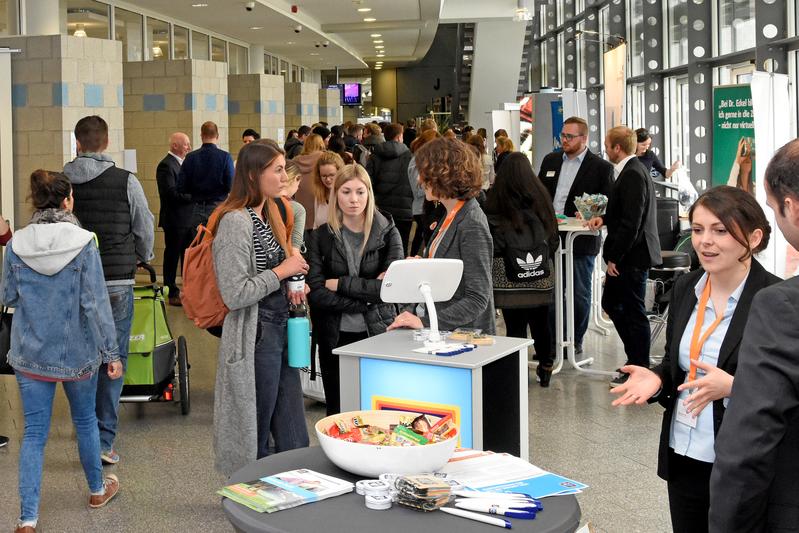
point(569, 136)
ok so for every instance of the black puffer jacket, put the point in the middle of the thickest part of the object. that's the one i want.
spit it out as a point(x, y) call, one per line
point(388, 168)
point(327, 258)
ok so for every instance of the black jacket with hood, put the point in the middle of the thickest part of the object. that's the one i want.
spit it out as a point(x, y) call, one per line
point(327, 258)
point(388, 168)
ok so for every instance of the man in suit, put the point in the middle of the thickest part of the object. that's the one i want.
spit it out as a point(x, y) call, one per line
point(176, 211)
point(567, 174)
point(631, 247)
point(206, 174)
point(753, 486)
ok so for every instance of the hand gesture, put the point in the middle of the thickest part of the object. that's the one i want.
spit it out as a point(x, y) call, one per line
point(406, 320)
point(115, 369)
point(639, 387)
point(291, 266)
point(714, 385)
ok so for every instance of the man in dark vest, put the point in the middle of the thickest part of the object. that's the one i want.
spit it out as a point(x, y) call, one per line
point(110, 202)
point(176, 211)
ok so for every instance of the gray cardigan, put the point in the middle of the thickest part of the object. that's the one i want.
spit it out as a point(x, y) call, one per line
point(235, 429)
point(469, 239)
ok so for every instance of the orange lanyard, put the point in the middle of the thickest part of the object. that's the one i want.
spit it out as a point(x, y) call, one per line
point(698, 341)
point(441, 230)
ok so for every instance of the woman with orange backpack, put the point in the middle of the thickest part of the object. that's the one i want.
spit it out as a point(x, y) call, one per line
point(257, 394)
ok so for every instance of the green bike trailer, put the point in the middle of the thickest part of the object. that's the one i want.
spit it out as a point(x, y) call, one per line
point(157, 363)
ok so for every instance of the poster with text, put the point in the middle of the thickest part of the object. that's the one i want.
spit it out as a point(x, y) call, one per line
point(734, 147)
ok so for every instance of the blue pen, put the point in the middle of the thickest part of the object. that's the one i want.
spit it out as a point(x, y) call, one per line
point(510, 512)
point(510, 504)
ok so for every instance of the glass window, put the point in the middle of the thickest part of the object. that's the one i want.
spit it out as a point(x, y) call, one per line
point(128, 28)
point(237, 59)
point(284, 70)
point(736, 25)
point(636, 34)
point(636, 105)
point(295, 73)
point(579, 7)
point(544, 69)
point(180, 38)
point(604, 24)
point(560, 12)
point(738, 74)
point(5, 17)
point(678, 32)
point(218, 50)
point(561, 59)
point(85, 18)
point(582, 61)
point(157, 40)
point(542, 18)
point(678, 108)
point(199, 46)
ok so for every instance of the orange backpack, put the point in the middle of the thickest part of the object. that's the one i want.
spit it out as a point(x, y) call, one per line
point(200, 296)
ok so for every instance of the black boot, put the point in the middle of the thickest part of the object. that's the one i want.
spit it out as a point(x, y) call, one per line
point(544, 374)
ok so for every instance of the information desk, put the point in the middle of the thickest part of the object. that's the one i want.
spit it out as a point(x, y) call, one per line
point(348, 514)
point(485, 389)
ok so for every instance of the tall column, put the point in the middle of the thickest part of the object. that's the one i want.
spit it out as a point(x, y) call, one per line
point(330, 106)
point(653, 56)
point(256, 59)
point(771, 25)
point(593, 51)
point(700, 93)
point(302, 104)
point(255, 101)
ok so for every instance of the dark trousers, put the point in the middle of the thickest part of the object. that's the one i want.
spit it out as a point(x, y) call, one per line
point(537, 319)
point(279, 407)
point(418, 236)
point(623, 301)
point(404, 228)
point(689, 493)
point(176, 240)
point(330, 368)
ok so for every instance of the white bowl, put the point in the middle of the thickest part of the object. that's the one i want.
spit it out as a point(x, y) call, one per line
point(370, 460)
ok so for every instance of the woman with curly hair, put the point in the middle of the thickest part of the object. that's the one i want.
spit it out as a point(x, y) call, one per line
point(451, 173)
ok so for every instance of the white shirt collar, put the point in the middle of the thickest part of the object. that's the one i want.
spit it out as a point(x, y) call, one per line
point(621, 164)
point(736, 294)
point(180, 159)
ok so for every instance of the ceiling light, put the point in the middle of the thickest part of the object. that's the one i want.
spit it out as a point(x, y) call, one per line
point(80, 32)
point(314, 53)
point(370, 19)
point(364, 9)
point(378, 41)
point(376, 35)
point(157, 52)
point(290, 42)
point(199, 5)
point(256, 27)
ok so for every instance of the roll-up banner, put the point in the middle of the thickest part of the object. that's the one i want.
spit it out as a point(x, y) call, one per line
point(734, 137)
point(615, 62)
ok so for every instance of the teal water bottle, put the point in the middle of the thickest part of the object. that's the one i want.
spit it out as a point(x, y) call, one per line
point(299, 337)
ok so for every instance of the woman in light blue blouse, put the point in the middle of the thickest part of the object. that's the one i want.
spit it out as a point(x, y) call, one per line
point(708, 311)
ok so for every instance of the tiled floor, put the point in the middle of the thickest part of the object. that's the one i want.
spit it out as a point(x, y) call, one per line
point(168, 482)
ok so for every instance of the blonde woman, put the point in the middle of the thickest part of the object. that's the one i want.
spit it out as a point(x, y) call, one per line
point(324, 175)
point(504, 147)
point(348, 257)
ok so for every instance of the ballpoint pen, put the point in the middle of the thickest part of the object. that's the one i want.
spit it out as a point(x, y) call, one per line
point(522, 505)
point(501, 522)
point(508, 510)
point(492, 495)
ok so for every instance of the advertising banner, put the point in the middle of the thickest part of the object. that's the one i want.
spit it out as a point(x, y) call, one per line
point(556, 107)
point(615, 62)
point(733, 137)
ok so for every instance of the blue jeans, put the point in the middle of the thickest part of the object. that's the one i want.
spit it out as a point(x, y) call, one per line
point(278, 391)
point(37, 404)
point(583, 275)
point(109, 390)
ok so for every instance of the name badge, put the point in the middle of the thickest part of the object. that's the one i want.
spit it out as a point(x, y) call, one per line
point(683, 416)
point(550, 173)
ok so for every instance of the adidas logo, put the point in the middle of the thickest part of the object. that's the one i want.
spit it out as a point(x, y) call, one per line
point(530, 263)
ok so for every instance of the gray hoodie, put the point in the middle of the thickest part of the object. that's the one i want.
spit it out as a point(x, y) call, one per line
point(48, 248)
point(85, 169)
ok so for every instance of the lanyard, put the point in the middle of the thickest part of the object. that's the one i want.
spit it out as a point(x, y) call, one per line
point(698, 341)
point(443, 228)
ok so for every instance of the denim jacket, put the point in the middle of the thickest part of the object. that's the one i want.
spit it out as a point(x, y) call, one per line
point(62, 327)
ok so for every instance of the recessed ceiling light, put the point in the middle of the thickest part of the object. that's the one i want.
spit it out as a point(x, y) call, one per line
point(290, 42)
point(256, 27)
point(378, 41)
point(314, 53)
point(364, 9)
point(199, 5)
point(379, 46)
point(369, 19)
point(376, 35)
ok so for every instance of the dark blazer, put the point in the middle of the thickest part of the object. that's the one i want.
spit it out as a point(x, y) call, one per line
point(754, 486)
point(631, 218)
point(176, 208)
point(468, 239)
point(683, 303)
point(206, 174)
point(594, 177)
point(327, 258)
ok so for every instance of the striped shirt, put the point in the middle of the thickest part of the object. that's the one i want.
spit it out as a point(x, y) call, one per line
point(273, 255)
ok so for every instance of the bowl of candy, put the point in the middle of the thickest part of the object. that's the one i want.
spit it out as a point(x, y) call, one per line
point(370, 443)
point(591, 205)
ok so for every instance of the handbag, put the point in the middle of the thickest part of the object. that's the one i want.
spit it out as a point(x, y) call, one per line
point(5, 341)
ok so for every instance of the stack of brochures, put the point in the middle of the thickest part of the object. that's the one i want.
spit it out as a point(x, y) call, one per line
point(286, 490)
point(502, 472)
